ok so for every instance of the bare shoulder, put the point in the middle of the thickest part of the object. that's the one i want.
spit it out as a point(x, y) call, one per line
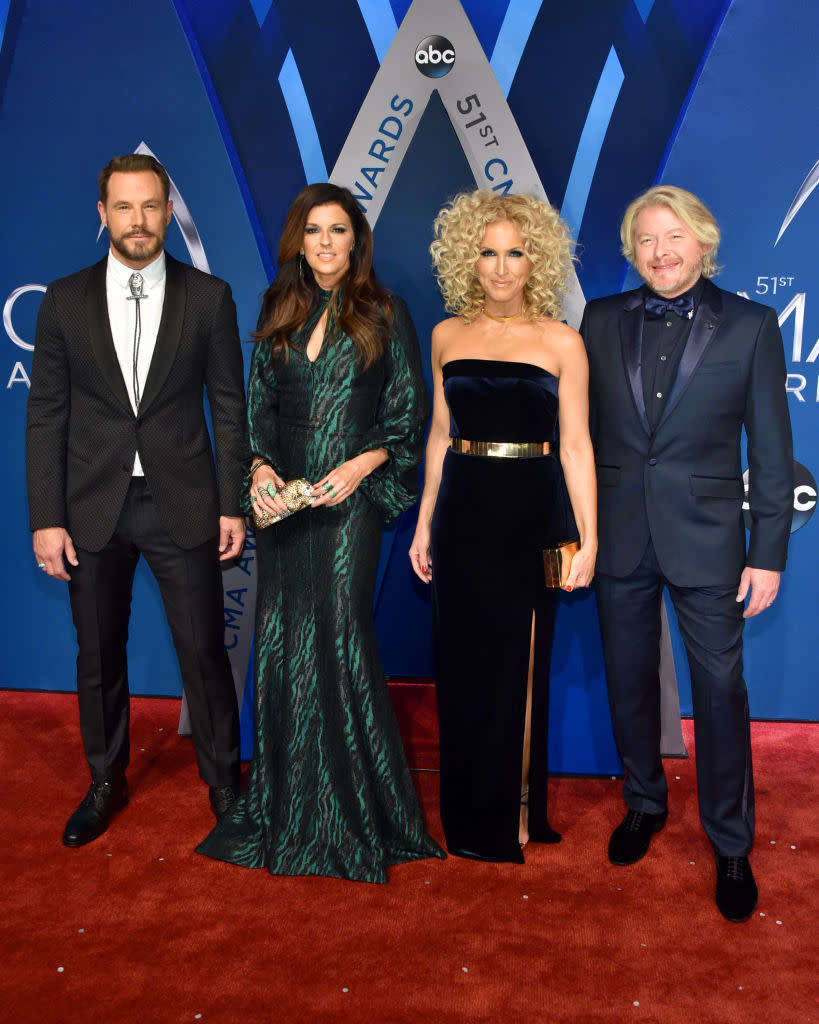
point(561, 341)
point(444, 335)
point(560, 334)
point(446, 328)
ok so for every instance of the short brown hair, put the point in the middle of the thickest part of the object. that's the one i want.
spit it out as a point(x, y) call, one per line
point(690, 209)
point(133, 162)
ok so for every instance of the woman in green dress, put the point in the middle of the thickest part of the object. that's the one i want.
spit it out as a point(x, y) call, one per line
point(336, 397)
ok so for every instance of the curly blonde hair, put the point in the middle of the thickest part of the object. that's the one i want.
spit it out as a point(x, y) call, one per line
point(690, 209)
point(459, 230)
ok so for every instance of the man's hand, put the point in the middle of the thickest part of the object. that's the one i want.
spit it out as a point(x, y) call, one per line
point(53, 548)
point(763, 585)
point(231, 537)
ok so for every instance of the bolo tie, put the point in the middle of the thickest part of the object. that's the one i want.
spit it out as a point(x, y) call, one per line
point(136, 283)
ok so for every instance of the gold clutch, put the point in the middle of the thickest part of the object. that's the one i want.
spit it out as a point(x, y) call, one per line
point(557, 562)
point(296, 494)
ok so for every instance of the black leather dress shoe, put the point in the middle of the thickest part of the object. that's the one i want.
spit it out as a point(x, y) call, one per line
point(736, 889)
point(91, 818)
point(223, 800)
point(631, 839)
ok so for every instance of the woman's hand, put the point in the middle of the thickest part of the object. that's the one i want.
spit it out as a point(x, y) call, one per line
point(343, 481)
point(419, 554)
point(582, 571)
point(264, 488)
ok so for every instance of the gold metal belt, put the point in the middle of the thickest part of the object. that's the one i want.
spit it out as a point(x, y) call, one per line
point(501, 449)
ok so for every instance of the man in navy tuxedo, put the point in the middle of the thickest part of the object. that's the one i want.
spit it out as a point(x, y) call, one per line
point(120, 464)
point(678, 368)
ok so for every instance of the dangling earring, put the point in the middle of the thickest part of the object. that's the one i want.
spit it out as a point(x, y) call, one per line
point(301, 266)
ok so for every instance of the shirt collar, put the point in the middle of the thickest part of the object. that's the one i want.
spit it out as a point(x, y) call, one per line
point(152, 275)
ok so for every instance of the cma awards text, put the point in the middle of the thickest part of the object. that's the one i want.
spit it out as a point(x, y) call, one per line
point(799, 384)
point(390, 128)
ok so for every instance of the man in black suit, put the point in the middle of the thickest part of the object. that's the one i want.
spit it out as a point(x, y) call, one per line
point(677, 369)
point(120, 464)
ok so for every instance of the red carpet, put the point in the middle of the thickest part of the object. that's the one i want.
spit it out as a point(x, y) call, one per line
point(137, 928)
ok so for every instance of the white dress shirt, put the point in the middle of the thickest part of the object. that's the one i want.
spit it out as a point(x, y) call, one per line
point(122, 317)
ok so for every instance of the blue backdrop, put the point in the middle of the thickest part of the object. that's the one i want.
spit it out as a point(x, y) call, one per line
point(244, 101)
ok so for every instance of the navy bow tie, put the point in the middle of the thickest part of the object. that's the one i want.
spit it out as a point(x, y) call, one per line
point(656, 307)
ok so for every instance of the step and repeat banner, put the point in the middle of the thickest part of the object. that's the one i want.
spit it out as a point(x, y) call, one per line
point(407, 102)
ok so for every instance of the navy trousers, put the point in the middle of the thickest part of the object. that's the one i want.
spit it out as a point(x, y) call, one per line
point(711, 624)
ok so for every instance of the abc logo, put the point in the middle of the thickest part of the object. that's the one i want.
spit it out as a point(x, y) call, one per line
point(804, 497)
point(434, 56)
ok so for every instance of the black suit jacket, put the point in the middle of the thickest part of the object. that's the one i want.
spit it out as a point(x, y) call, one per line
point(82, 433)
point(682, 483)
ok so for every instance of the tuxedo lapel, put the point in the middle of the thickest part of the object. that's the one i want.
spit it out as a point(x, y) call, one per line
point(631, 341)
point(99, 333)
point(706, 321)
point(170, 330)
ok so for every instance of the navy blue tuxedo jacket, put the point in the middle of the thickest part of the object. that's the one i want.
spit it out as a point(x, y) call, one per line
point(82, 433)
point(681, 484)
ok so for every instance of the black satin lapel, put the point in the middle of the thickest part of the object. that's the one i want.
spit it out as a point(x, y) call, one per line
point(631, 338)
point(170, 330)
point(99, 332)
point(706, 321)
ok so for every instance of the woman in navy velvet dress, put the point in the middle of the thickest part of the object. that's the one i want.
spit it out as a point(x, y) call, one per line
point(509, 380)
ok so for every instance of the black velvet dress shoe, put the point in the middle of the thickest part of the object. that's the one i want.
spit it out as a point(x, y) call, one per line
point(91, 818)
point(631, 839)
point(223, 800)
point(736, 889)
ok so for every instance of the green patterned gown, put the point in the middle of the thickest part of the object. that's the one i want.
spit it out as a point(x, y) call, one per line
point(329, 790)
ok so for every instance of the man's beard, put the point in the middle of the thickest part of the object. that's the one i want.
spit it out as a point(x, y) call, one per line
point(143, 249)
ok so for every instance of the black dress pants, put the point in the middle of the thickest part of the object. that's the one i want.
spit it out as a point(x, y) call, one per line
point(711, 623)
point(191, 586)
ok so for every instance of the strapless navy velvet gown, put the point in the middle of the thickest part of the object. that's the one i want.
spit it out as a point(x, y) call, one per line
point(492, 520)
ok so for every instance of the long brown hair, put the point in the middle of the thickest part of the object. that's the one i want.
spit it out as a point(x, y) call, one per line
point(362, 309)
